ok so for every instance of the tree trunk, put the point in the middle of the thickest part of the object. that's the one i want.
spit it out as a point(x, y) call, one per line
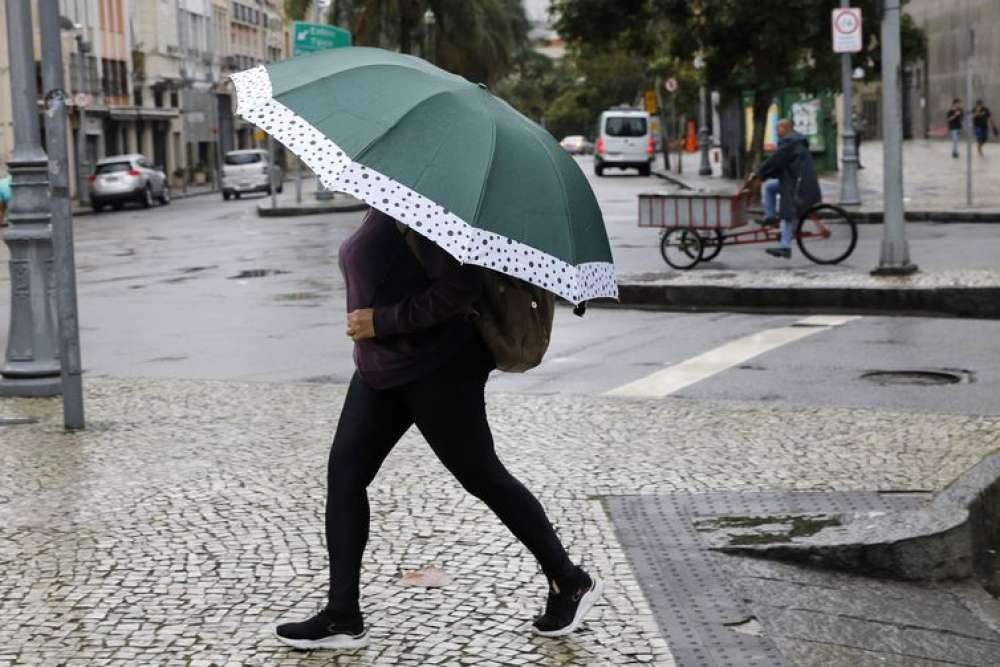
point(761, 104)
point(405, 37)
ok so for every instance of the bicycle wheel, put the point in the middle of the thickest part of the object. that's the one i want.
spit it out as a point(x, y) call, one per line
point(681, 247)
point(826, 234)
point(711, 245)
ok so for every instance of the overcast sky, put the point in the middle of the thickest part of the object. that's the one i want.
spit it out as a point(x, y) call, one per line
point(536, 9)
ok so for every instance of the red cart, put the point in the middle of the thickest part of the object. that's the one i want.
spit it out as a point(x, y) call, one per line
point(696, 225)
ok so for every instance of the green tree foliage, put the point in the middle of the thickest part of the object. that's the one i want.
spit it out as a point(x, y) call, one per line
point(297, 10)
point(747, 46)
point(479, 39)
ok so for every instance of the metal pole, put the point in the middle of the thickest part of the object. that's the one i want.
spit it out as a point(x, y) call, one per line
point(703, 135)
point(62, 218)
point(298, 181)
point(849, 192)
point(270, 177)
point(31, 367)
point(82, 48)
point(895, 254)
point(969, 126)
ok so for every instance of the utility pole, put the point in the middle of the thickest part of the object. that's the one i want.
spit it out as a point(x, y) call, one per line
point(969, 125)
point(272, 185)
point(849, 192)
point(62, 218)
point(82, 49)
point(894, 259)
point(30, 367)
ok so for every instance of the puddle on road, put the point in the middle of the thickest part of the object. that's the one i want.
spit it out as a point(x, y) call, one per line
point(257, 273)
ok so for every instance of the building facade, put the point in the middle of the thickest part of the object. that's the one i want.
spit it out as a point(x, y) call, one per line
point(152, 78)
point(962, 36)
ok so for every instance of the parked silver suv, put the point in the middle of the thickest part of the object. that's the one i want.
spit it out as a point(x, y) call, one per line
point(122, 178)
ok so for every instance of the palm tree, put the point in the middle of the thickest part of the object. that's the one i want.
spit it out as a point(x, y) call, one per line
point(479, 39)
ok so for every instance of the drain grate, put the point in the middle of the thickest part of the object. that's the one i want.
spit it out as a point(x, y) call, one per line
point(12, 421)
point(257, 273)
point(918, 377)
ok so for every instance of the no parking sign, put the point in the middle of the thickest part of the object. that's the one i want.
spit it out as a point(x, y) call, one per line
point(847, 30)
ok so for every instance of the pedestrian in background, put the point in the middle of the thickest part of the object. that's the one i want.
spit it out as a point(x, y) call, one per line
point(982, 120)
point(858, 124)
point(955, 116)
point(4, 198)
point(420, 361)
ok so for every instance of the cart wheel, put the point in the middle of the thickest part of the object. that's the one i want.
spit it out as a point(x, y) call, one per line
point(681, 247)
point(826, 234)
point(712, 245)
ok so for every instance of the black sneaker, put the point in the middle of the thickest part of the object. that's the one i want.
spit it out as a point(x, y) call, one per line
point(768, 222)
point(325, 630)
point(779, 252)
point(565, 609)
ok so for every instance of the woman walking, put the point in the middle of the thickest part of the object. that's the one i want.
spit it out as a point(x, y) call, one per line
point(420, 360)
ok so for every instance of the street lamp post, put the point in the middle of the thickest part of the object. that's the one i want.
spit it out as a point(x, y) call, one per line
point(62, 219)
point(705, 169)
point(30, 366)
point(430, 20)
point(849, 192)
point(894, 259)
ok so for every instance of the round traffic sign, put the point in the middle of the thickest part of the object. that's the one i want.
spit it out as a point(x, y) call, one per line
point(670, 84)
point(846, 22)
point(81, 99)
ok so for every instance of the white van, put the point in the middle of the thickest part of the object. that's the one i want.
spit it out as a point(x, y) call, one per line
point(624, 141)
point(248, 171)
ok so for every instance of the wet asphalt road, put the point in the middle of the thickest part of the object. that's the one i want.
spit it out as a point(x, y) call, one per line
point(206, 289)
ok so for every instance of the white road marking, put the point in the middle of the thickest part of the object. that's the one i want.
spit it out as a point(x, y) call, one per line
point(669, 380)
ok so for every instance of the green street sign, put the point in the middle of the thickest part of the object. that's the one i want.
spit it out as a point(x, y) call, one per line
point(312, 37)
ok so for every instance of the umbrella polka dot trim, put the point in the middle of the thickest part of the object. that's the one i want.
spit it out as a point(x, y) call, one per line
point(468, 244)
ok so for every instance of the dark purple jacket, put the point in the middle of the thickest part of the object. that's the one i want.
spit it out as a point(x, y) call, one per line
point(420, 319)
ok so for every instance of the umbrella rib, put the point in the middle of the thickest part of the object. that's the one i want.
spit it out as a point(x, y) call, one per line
point(489, 165)
point(562, 190)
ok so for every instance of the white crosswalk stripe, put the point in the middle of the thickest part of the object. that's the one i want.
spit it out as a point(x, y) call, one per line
point(669, 380)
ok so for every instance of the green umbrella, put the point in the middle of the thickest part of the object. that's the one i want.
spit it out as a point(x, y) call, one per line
point(441, 155)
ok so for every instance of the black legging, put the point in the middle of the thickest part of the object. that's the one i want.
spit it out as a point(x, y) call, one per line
point(450, 410)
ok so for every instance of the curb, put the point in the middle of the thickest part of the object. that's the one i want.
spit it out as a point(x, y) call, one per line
point(874, 217)
point(969, 302)
point(173, 197)
point(955, 537)
point(287, 211)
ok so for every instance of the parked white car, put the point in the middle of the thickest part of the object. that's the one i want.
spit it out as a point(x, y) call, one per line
point(248, 171)
point(124, 178)
point(624, 141)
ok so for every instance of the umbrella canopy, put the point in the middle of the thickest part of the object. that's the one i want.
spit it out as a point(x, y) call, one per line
point(441, 155)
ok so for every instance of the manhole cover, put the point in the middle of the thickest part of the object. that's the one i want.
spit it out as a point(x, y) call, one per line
point(11, 421)
point(918, 377)
point(257, 273)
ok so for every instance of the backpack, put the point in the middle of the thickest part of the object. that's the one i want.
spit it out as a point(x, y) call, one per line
point(513, 317)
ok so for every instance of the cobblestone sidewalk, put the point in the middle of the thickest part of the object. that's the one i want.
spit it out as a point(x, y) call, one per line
point(187, 520)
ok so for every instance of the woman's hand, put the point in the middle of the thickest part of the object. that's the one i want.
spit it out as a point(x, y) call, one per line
point(361, 324)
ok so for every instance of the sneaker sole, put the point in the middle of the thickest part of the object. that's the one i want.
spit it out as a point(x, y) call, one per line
point(335, 642)
point(588, 601)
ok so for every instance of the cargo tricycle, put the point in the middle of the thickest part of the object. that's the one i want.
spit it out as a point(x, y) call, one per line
point(697, 225)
